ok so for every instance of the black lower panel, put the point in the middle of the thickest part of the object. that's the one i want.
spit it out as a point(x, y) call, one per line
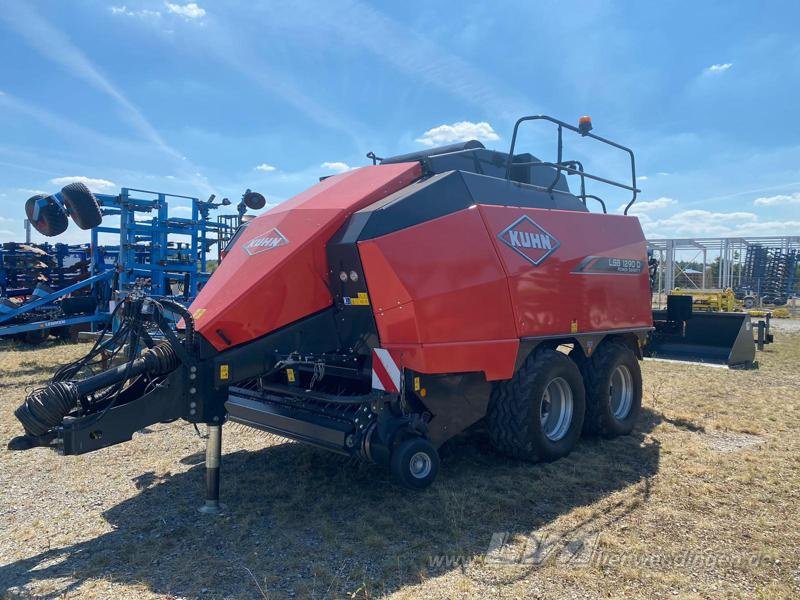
point(455, 401)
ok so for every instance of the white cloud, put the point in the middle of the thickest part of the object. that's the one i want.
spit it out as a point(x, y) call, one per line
point(642, 178)
point(339, 167)
point(648, 205)
point(189, 10)
point(142, 14)
point(92, 183)
point(705, 223)
point(458, 132)
point(778, 200)
point(719, 68)
point(183, 209)
point(266, 168)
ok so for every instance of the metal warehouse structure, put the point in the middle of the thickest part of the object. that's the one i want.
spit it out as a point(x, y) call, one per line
point(723, 260)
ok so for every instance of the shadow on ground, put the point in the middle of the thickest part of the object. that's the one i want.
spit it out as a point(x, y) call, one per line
point(302, 522)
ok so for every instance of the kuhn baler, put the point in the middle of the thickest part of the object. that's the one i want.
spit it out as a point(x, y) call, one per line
point(385, 310)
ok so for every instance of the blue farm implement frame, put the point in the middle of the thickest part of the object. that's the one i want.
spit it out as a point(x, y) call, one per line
point(162, 255)
point(27, 317)
point(24, 268)
point(166, 256)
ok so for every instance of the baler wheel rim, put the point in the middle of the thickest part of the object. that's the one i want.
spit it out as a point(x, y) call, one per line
point(555, 411)
point(621, 392)
point(420, 465)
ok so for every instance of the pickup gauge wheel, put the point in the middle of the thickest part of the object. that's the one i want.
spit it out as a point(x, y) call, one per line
point(415, 463)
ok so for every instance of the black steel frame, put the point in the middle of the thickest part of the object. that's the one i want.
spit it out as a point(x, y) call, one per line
point(573, 167)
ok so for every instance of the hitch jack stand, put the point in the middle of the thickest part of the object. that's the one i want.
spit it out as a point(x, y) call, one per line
point(213, 459)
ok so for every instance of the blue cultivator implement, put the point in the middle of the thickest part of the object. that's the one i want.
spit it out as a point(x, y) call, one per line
point(158, 254)
point(64, 312)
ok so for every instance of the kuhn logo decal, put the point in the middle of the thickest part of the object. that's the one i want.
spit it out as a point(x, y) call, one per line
point(272, 239)
point(530, 240)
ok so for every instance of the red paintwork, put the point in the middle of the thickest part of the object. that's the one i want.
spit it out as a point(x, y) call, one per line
point(548, 297)
point(250, 295)
point(440, 297)
point(449, 296)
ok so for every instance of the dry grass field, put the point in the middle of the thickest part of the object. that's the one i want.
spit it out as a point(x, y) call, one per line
point(703, 501)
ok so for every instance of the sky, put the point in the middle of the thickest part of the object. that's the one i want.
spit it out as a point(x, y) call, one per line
point(216, 97)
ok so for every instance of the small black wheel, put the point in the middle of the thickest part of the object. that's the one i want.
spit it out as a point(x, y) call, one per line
point(254, 200)
point(82, 205)
point(70, 333)
point(36, 337)
point(415, 463)
point(613, 382)
point(537, 415)
point(52, 219)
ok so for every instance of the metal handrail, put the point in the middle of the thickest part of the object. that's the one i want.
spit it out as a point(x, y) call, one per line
point(562, 165)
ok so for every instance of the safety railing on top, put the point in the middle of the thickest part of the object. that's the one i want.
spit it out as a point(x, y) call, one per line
point(574, 167)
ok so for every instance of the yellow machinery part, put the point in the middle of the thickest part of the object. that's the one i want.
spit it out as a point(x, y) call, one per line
point(710, 300)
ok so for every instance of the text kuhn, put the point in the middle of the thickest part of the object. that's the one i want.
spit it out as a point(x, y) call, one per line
point(524, 239)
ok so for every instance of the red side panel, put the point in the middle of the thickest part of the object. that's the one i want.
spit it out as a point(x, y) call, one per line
point(277, 271)
point(440, 297)
point(593, 276)
point(455, 294)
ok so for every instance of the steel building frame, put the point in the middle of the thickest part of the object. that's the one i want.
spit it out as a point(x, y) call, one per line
point(731, 251)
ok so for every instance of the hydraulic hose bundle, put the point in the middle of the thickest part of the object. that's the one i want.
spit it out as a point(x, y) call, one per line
point(45, 408)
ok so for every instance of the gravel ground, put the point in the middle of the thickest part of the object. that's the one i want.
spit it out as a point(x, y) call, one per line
point(700, 502)
point(785, 325)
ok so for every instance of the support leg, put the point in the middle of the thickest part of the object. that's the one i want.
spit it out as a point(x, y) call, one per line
point(213, 459)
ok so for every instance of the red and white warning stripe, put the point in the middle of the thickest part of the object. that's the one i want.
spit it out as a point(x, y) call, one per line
point(385, 372)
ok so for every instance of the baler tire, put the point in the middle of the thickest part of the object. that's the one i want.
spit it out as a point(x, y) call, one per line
point(514, 415)
point(412, 470)
point(597, 373)
point(82, 205)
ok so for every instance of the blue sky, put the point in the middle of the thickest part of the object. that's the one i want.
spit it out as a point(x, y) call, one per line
point(216, 97)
